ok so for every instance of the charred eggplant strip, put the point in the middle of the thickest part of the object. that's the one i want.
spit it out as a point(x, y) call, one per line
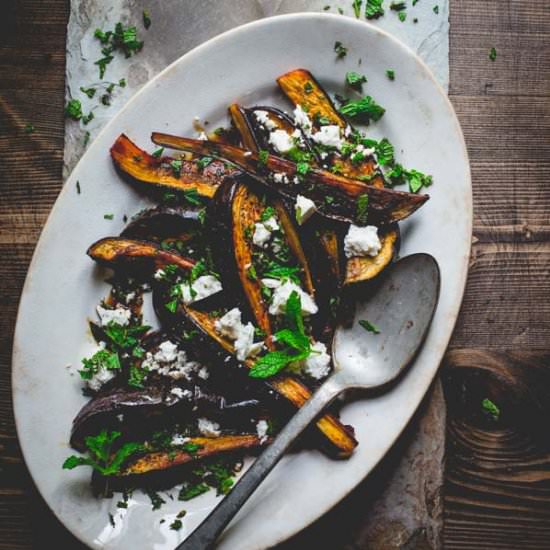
point(318, 103)
point(246, 209)
point(243, 126)
point(117, 252)
point(339, 436)
point(162, 174)
point(367, 268)
point(301, 87)
point(161, 222)
point(205, 446)
point(319, 106)
point(385, 205)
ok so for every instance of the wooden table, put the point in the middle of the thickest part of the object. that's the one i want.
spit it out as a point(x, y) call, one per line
point(497, 475)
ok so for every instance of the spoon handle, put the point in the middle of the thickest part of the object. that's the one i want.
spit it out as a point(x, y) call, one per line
point(208, 531)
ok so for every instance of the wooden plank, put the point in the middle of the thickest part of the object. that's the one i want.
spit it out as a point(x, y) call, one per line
point(497, 492)
point(506, 301)
point(501, 128)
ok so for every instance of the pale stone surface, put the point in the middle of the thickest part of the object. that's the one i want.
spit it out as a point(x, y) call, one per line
point(398, 506)
point(178, 26)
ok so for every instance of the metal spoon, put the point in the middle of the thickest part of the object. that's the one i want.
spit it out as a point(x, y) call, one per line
point(402, 307)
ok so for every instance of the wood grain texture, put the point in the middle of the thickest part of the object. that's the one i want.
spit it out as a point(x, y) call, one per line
point(497, 491)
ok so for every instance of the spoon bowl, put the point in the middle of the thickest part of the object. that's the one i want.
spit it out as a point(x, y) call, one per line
point(398, 311)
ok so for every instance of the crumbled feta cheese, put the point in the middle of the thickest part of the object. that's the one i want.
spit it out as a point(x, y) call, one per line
point(281, 141)
point(271, 224)
point(302, 120)
point(120, 315)
point(329, 136)
point(362, 241)
point(178, 392)
point(261, 235)
point(120, 417)
point(159, 274)
point(169, 361)
point(204, 286)
point(167, 352)
point(304, 208)
point(317, 365)
point(366, 151)
point(129, 297)
point(263, 230)
point(209, 428)
point(202, 136)
point(348, 131)
point(178, 439)
point(261, 429)
point(231, 326)
point(263, 118)
point(101, 377)
point(279, 177)
point(282, 291)
point(203, 373)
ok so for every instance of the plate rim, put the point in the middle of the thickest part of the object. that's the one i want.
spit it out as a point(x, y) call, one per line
point(460, 280)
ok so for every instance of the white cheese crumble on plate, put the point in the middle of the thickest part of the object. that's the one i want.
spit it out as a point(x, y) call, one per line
point(282, 291)
point(362, 241)
point(304, 208)
point(231, 326)
point(202, 287)
point(120, 315)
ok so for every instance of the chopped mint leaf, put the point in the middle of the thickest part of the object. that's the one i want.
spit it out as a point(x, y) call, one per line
point(90, 92)
point(29, 128)
point(263, 157)
point(398, 6)
point(188, 491)
point(436, 9)
point(402, 16)
point(369, 327)
point(176, 166)
point(146, 19)
point(108, 216)
point(357, 8)
point(493, 54)
point(355, 80)
point(365, 108)
point(390, 73)
point(73, 109)
point(78, 187)
point(361, 214)
point(158, 152)
point(340, 49)
point(374, 9)
point(490, 408)
point(308, 87)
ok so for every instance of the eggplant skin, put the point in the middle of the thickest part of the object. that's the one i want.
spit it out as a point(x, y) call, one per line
point(117, 252)
point(157, 174)
point(208, 446)
point(161, 222)
point(367, 268)
point(385, 206)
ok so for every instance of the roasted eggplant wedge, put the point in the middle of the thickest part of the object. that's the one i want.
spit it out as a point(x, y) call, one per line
point(385, 206)
point(205, 446)
point(237, 209)
point(163, 222)
point(163, 174)
point(340, 439)
point(303, 90)
point(130, 254)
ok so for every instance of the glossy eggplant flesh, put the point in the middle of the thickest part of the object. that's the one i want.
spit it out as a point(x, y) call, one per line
point(136, 257)
point(161, 174)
